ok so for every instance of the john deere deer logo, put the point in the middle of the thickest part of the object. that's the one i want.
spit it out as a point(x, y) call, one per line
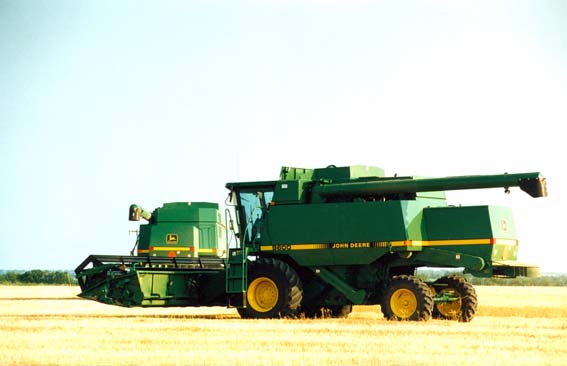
point(172, 239)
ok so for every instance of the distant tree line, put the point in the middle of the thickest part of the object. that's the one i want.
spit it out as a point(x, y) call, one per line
point(551, 280)
point(37, 277)
point(559, 279)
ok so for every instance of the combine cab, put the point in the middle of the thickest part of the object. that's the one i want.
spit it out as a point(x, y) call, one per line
point(316, 242)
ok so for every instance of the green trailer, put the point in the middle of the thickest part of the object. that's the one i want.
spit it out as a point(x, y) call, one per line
point(318, 241)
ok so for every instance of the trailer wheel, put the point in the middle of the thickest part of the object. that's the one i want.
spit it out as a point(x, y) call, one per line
point(407, 298)
point(274, 290)
point(464, 308)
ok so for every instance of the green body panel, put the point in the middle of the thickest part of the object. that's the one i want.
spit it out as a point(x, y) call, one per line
point(187, 212)
point(290, 191)
point(469, 222)
point(350, 233)
point(360, 233)
point(490, 229)
point(153, 239)
point(182, 229)
point(335, 223)
point(182, 288)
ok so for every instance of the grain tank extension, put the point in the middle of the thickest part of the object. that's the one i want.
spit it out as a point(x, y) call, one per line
point(316, 242)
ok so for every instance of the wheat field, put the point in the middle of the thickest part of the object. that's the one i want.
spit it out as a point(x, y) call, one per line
point(49, 325)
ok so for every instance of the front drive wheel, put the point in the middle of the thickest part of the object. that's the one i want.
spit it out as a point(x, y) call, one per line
point(274, 290)
point(407, 298)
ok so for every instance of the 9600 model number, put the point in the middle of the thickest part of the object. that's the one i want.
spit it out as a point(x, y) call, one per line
point(282, 247)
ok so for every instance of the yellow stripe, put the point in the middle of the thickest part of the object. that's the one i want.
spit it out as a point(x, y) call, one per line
point(398, 243)
point(204, 250)
point(456, 242)
point(173, 248)
point(295, 247)
point(308, 246)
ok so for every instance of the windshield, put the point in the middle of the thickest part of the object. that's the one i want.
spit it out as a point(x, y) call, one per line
point(254, 204)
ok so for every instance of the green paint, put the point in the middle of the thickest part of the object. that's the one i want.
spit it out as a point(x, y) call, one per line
point(344, 231)
point(183, 229)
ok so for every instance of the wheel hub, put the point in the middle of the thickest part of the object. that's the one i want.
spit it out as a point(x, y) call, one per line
point(450, 309)
point(263, 294)
point(403, 303)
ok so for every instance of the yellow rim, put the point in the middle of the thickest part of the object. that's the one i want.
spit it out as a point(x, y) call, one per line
point(262, 294)
point(403, 303)
point(450, 309)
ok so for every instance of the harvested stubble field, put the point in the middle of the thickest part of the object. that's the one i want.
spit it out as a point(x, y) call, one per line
point(50, 326)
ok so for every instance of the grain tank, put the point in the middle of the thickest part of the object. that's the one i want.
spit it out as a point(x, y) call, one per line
point(315, 243)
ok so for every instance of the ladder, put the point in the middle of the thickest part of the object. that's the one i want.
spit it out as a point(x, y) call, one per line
point(237, 276)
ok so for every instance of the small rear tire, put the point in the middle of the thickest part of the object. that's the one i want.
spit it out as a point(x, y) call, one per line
point(463, 309)
point(407, 298)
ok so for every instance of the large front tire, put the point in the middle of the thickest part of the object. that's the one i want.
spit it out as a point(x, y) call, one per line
point(274, 290)
point(407, 298)
point(464, 308)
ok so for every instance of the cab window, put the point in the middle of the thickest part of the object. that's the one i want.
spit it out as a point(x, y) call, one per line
point(253, 204)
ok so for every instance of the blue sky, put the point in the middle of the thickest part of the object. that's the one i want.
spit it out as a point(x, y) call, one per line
point(104, 104)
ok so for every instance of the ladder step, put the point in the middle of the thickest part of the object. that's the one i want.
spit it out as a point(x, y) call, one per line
point(237, 271)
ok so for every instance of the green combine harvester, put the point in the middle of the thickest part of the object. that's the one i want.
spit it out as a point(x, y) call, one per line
point(315, 243)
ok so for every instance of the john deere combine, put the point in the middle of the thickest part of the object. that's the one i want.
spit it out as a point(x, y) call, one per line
point(316, 242)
